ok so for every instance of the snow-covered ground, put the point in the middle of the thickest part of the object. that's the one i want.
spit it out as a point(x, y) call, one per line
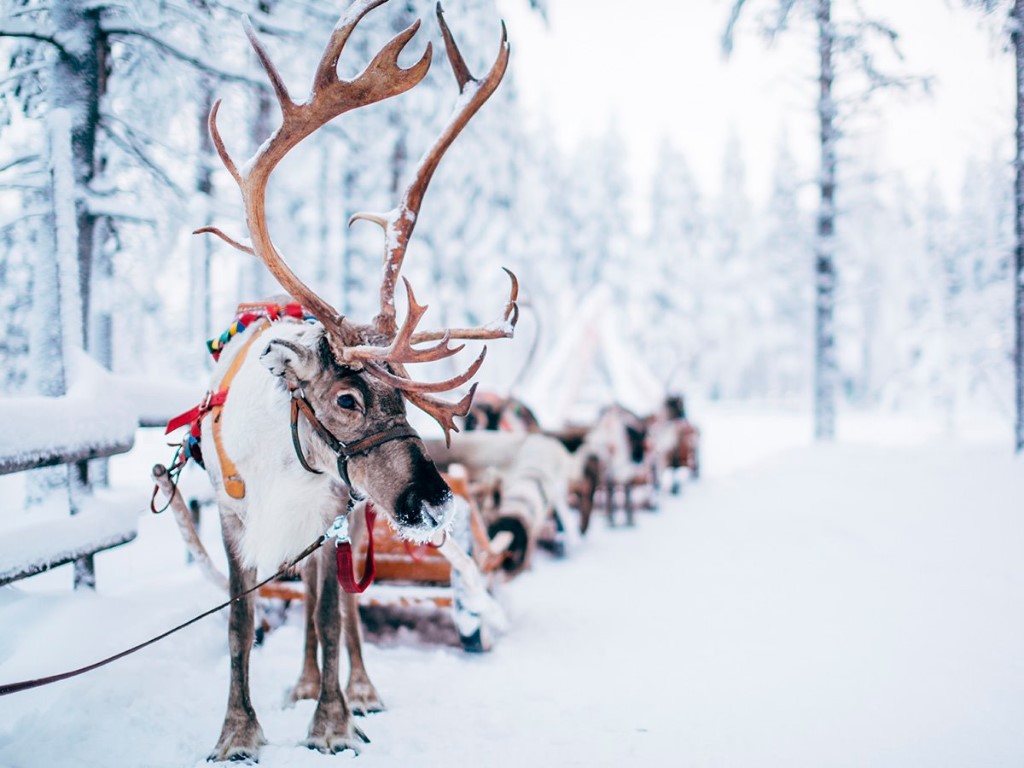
point(860, 604)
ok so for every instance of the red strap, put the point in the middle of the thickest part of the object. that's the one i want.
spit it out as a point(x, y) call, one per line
point(346, 563)
point(198, 412)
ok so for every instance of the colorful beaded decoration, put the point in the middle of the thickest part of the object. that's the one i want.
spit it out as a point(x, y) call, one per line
point(249, 312)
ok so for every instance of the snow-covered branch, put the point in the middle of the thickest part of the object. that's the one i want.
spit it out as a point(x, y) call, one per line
point(36, 213)
point(24, 186)
point(20, 72)
point(20, 161)
point(781, 18)
point(30, 31)
point(134, 144)
point(728, 36)
point(118, 206)
point(195, 60)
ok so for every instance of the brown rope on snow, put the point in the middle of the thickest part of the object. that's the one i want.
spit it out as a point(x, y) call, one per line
point(41, 681)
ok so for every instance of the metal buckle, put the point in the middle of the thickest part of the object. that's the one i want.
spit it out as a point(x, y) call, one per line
point(205, 405)
point(339, 530)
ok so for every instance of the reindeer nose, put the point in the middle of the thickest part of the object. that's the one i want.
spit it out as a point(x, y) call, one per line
point(422, 503)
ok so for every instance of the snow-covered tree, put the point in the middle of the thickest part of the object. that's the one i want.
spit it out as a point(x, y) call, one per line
point(783, 277)
point(850, 43)
point(1015, 24)
point(600, 242)
point(981, 277)
point(674, 279)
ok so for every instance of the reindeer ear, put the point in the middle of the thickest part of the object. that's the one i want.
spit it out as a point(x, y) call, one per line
point(295, 361)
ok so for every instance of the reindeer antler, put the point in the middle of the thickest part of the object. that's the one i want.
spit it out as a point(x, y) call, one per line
point(330, 96)
point(497, 330)
point(398, 225)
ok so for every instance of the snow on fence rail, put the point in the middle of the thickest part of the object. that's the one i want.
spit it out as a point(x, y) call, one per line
point(44, 431)
point(103, 521)
point(94, 420)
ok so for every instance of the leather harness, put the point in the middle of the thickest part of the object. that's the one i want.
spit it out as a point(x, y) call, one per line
point(234, 484)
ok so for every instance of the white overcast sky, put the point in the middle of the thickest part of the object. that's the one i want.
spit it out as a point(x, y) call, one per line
point(655, 68)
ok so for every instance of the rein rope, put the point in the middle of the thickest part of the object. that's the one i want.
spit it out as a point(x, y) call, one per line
point(41, 681)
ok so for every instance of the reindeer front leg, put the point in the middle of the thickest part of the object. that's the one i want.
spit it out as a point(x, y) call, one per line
point(332, 729)
point(241, 736)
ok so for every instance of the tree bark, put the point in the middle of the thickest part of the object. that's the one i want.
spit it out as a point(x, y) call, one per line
point(825, 367)
point(80, 72)
point(202, 247)
point(1017, 37)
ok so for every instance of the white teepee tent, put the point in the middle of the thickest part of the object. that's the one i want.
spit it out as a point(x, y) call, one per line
point(589, 367)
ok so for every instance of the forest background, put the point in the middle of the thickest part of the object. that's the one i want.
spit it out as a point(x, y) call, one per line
point(694, 209)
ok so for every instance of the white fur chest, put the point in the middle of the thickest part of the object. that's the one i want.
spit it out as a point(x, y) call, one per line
point(285, 507)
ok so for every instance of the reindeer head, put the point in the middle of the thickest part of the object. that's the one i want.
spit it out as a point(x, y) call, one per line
point(352, 376)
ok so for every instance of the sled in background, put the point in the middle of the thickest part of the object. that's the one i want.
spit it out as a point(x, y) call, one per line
point(412, 581)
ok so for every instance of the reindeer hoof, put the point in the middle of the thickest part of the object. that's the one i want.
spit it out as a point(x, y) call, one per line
point(332, 730)
point(363, 698)
point(333, 743)
point(236, 755)
point(239, 746)
point(303, 689)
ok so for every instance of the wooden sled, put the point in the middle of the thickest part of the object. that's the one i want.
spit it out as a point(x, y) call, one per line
point(418, 578)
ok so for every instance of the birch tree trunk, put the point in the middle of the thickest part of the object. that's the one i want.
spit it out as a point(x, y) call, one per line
point(825, 368)
point(1017, 37)
point(79, 82)
point(202, 247)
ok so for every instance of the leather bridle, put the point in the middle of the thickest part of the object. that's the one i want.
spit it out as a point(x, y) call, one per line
point(342, 451)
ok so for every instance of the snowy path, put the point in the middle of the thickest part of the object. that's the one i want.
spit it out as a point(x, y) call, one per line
point(848, 606)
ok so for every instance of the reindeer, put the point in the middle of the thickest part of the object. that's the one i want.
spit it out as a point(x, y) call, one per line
point(315, 411)
point(672, 442)
point(616, 443)
point(493, 413)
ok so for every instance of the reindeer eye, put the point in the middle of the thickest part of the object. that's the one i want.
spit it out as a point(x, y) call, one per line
point(346, 401)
